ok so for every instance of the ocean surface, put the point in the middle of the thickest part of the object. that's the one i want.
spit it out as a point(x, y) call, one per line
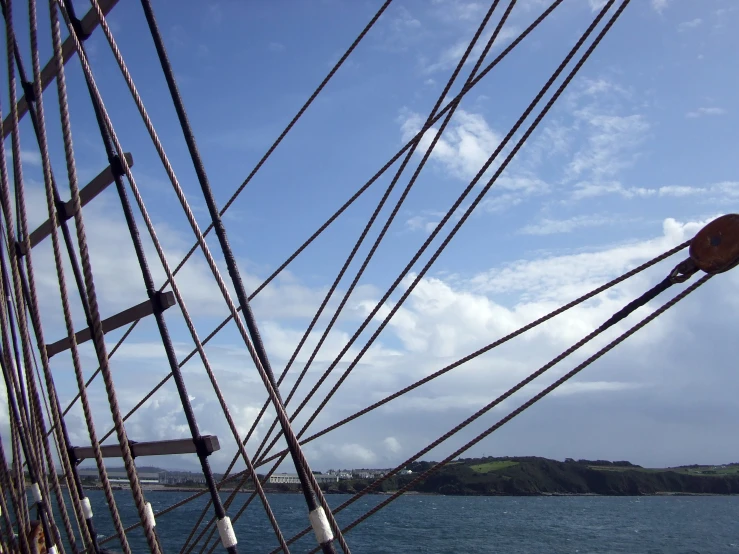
point(447, 524)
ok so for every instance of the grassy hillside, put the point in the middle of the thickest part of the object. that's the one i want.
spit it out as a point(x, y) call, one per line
point(536, 476)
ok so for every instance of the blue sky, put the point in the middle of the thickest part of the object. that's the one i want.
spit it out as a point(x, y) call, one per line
point(635, 157)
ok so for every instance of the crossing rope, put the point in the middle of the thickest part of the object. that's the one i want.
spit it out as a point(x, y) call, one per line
point(28, 427)
point(425, 475)
point(371, 221)
point(546, 13)
point(254, 171)
point(507, 50)
point(453, 209)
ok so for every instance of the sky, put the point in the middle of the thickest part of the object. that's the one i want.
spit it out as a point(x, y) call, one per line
point(634, 159)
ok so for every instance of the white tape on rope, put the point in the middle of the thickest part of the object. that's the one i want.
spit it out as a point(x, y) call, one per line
point(86, 508)
point(52, 550)
point(228, 537)
point(320, 525)
point(150, 515)
point(36, 492)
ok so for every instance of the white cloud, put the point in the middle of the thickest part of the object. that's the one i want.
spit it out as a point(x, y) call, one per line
point(700, 112)
point(589, 387)
point(467, 143)
point(554, 226)
point(426, 222)
point(721, 192)
point(402, 30)
point(30, 157)
point(404, 21)
point(692, 24)
point(611, 143)
point(460, 10)
point(392, 444)
point(596, 5)
point(660, 5)
point(557, 277)
point(449, 57)
point(349, 455)
point(441, 321)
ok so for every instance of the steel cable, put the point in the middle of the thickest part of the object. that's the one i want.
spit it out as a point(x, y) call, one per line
point(261, 162)
point(381, 235)
point(341, 210)
point(468, 211)
point(521, 408)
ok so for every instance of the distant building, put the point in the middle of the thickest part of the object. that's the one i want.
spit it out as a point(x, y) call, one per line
point(293, 479)
point(369, 473)
point(405, 472)
point(180, 478)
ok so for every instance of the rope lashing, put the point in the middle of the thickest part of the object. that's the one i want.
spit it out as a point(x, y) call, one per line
point(713, 250)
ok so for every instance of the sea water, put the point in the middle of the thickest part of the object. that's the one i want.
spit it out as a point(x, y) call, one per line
point(448, 524)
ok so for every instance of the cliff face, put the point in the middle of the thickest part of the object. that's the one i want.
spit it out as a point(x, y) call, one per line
point(531, 476)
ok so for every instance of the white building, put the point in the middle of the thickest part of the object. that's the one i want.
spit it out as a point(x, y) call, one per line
point(181, 477)
point(293, 479)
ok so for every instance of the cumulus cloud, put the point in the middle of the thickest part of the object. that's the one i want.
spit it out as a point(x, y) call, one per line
point(392, 444)
point(465, 146)
point(444, 319)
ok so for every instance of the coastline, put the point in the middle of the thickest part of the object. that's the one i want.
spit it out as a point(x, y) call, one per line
point(417, 493)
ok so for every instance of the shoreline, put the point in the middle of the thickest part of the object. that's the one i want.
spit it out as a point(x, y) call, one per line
point(415, 493)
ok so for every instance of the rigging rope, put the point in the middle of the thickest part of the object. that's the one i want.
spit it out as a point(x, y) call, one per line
point(104, 119)
point(30, 426)
point(96, 328)
point(494, 62)
point(454, 208)
point(310, 488)
point(206, 363)
point(345, 206)
point(5, 485)
point(489, 347)
point(417, 137)
point(261, 162)
point(399, 203)
point(33, 472)
point(77, 493)
point(46, 515)
point(381, 235)
point(528, 403)
point(20, 486)
point(427, 154)
point(6, 482)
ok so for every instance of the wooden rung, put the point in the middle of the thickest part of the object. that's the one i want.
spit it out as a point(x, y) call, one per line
point(165, 299)
point(48, 73)
point(87, 193)
point(153, 448)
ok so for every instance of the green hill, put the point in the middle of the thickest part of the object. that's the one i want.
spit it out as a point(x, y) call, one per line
point(518, 476)
point(532, 475)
